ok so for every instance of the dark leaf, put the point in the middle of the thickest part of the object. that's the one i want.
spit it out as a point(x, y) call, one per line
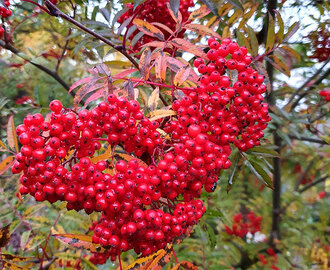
point(174, 5)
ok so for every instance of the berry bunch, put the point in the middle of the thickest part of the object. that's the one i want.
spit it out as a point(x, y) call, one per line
point(5, 12)
point(241, 228)
point(325, 94)
point(272, 258)
point(320, 41)
point(138, 198)
point(155, 11)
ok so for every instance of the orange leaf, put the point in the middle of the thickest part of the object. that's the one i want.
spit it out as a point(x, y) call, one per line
point(160, 67)
point(202, 30)
point(106, 155)
point(6, 164)
point(163, 26)
point(188, 265)
point(148, 29)
point(4, 236)
point(158, 44)
point(79, 241)
point(188, 47)
point(181, 76)
point(153, 262)
point(128, 158)
point(84, 90)
point(175, 18)
point(3, 145)
point(145, 62)
point(11, 134)
point(199, 13)
point(176, 65)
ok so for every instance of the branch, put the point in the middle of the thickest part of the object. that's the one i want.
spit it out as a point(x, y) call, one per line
point(303, 174)
point(51, 73)
point(307, 139)
point(308, 186)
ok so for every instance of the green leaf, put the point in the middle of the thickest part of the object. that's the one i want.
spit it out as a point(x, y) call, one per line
point(259, 172)
point(234, 173)
point(210, 235)
point(213, 213)
point(264, 150)
point(270, 34)
point(284, 136)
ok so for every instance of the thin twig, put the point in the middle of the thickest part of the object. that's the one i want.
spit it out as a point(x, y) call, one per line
point(303, 174)
point(308, 186)
point(307, 139)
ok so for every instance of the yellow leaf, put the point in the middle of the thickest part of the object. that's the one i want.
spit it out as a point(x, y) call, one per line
point(235, 17)
point(153, 99)
point(281, 66)
point(6, 164)
point(202, 30)
point(15, 258)
point(128, 158)
point(12, 266)
point(3, 145)
point(253, 41)
point(11, 134)
point(181, 76)
point(148, 29)
point(161, 114)
point(164, 134)
point(270, 34)
point(199, 13)
point(188, 47)
point(292, 52)
point(225, 9)
point(226, 32)
point(160, 67)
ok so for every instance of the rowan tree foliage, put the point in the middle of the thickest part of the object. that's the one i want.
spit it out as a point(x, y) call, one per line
point(172, 134)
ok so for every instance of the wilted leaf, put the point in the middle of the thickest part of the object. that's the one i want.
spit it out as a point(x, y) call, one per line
point(270, 34)
point(235, 17)
point(160, 67)
point(84, 90)
point(124, 73)
point(148, 29)
point(225, 9)
point(253, 41)
point(226, 32)
point(174, 6)
point(103, 69)
point(80, 82)
point(181, 76)
point(278, 64)
point(153, 99)
point(175, 15)
point(128, 158)
point(188, 47)
point(176, 65)
point(11, 134)
point(4, 236)
point(79, 241)
point(247, 16)
point(292, 52)
point(15, 258)
point(163, 26)
point(202, 30)
point(145, 62)
point(154, 115)
point(12, 266)
point(280, 32)
point(129, 88)
point(199, 13)
point(6, 164)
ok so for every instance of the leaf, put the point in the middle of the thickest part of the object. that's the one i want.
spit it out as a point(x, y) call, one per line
point(80, 82)
point(210, 235)
point(280, 32)
point(3, 145)
point(247, 16)
point(181, 76)
point(225, 9)
point(160, 67)
point(174, 5)
point(202, 30)
point(154, 261)
point(128, 158)
point(15, 258)
point(226, 32)
point(292, 52)
point(259, 172)
point(158, 114)
point(145, 62)
point(12, 266)
point(199, 13)
point(6, 164)
point(163, 26)
point(84, 90)
point(291, 31)
point(213, 213)
point(235, 17)
point(281, 66)
point(176, 65)
point(234, 173)
point(148, 29)
point(236, 3)
point(11, 134)
point(79, 241)
point(188, 47)
point(153, 99)
point(188, 265)
point(264, 150)
point(270, 34)
point(284, 136)
point(253, 41)
point(4, 236)
point(106, 155)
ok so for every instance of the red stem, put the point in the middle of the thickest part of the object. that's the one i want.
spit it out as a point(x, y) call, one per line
point(176, 259)
point(121, 268)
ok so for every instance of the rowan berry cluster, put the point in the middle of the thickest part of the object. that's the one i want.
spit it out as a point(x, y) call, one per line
point(272, 258)
point(155, 11)
point(138, 198)
point(241, 228)
point(325, 94)
point(4, 11)
point(320, 41)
